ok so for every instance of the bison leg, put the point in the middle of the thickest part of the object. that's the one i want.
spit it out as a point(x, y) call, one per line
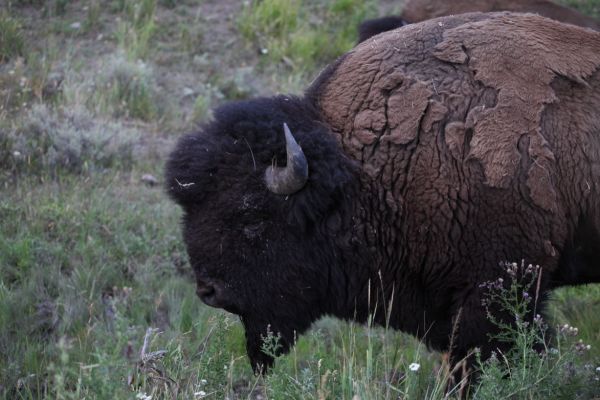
point(579, 260)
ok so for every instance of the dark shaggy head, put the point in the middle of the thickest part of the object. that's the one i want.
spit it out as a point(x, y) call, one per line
point(372, 27)
point(267, 257)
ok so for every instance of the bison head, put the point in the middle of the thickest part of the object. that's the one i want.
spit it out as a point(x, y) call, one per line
point(265, 218)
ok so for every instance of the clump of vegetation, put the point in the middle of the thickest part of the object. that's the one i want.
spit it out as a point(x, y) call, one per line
point(286, 32)
point(87, 266)
point(136, 27)
point(208, 95)
point(378, 364)
point(537, 366)
point(125, 89)
point(27, 80)
point(15, 92)
point(270, 17)
point(191, 38)
point(92, 19)
point(48, 141)
point(349, 361)
point(60, 6)
point(12, 42)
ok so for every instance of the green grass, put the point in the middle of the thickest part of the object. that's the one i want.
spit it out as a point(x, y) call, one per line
point(65, 275)
point(578, 306)
point(12, 43)
point(290, 32)
point(92, 20)
point(126, 89)
point(561, 370)
point(136, 28)
point(92, 264)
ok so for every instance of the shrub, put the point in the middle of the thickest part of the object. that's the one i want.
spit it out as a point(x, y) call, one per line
point(72, 140)
point(136, 28)
point(125, 89)
point(12, 43)
point(92, 19)
point(269, 17)
point(532, 368)
point(29, 79)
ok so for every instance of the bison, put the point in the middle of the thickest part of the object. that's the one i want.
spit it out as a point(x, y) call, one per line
point(395, 186)
point(421, 10)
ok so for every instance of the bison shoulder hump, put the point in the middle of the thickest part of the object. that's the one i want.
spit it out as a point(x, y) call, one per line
point(390, 84)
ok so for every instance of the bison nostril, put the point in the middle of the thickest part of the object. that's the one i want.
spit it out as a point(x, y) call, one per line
point(204, 291)
point(215, 295)
point(207, 293)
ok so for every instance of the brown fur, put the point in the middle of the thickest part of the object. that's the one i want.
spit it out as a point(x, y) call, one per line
point(421, 10)
point(514, 67)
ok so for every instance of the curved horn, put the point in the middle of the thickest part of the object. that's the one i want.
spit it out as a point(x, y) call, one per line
point(293, 177)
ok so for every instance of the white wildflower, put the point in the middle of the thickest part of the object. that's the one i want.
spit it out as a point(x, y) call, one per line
point(414, 367)
point(200, 394)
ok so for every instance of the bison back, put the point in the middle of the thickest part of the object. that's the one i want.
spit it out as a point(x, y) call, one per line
point(421, 10)
point(481, 132)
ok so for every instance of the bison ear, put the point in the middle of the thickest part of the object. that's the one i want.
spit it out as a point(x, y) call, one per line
point(293, 177)
point(372, 27)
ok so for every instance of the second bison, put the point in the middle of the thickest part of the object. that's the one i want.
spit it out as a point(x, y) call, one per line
point(411, 168)
point(420, 10)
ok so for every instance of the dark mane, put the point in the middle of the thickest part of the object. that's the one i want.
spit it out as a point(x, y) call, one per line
point(243, 139)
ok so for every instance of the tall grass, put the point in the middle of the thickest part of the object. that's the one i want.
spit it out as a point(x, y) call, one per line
point(12, 43)
point(290, 32)
point(96, 295)
point(67, 274)
point(125, 88)
point(136, 28)
point(537, 366)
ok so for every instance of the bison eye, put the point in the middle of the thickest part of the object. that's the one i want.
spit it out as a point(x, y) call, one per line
point(254, 231)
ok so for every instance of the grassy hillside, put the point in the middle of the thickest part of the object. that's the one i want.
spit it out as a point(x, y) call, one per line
point(96, 295)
